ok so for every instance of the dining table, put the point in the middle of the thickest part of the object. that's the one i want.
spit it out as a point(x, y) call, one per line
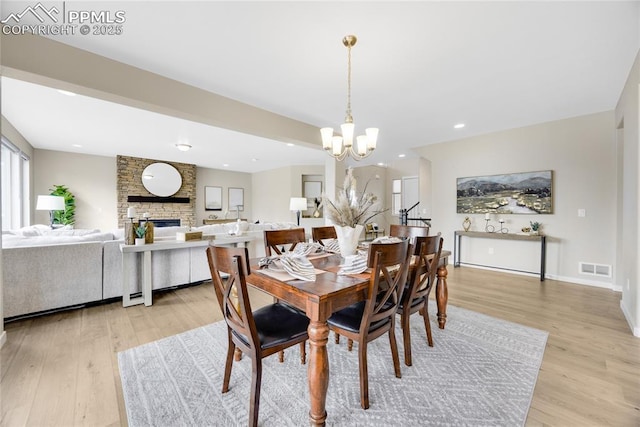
point(318, 299)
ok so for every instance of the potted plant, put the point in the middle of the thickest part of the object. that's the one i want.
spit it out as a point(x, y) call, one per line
point(141, 230)
point(535, 228)
point(67, 216)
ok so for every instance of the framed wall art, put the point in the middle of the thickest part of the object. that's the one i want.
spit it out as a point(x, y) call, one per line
point(236, 199)
point(514, 193)
point(212, 198)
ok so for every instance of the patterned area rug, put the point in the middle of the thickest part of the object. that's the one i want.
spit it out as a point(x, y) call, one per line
point(481, 371)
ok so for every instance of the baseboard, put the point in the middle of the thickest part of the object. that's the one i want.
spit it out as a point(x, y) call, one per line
point(567, 279)
point(635, 330)
point(3, 338)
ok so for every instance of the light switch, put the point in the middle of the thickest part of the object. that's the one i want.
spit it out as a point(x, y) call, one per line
point(582, 213)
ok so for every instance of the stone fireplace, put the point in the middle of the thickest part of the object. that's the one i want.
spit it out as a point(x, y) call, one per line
point(132, 193)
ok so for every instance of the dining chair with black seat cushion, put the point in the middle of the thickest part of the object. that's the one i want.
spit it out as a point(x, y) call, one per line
point(258, 334)
point(415, 297)
point(408, 231)
point(275, 238)
point(318, 234)
point(287, 237)
point(367, 320)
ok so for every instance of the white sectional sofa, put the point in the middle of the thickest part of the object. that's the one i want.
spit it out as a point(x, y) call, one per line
point(48, 269)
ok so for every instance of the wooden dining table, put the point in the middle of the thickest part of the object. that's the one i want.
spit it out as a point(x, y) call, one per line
point(329, 293)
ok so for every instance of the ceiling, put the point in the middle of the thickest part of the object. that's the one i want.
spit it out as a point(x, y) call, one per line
point(419, 68)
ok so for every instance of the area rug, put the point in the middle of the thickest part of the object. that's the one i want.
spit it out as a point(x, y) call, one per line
point(481, 371)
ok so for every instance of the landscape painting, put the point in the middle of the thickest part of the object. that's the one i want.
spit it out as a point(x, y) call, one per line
point(515, 193)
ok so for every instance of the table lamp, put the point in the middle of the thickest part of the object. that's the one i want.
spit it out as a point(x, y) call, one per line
point(50, 203)
point(298, 204)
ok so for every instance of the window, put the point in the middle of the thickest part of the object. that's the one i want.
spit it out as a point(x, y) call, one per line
point(14, 166)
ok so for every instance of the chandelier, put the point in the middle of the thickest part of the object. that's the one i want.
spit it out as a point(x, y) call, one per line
point(338, 146)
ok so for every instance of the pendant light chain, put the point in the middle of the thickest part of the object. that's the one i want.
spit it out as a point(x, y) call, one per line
point(348, 118)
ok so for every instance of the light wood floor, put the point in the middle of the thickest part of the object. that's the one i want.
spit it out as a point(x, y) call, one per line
point(61, 369)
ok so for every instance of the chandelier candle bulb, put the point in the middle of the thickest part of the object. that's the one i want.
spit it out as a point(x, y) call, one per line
point(131, 212)
point(362, 145)
point(487, 216)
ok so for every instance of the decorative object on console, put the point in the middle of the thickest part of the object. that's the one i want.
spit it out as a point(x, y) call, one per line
point(298, 204)
point(466, 224)
point(149, 235)
point(340, 147)
point(350, 211)
point(67, 215)
point(51, 204)
point(188, 236)
point(141, 230)
point(535, 228)
point(129, 227)
point(488, 228)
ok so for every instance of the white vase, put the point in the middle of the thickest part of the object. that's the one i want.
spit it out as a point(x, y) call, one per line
point(348, 238)
point(140, 241)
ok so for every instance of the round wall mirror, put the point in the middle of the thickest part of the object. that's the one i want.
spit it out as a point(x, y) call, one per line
point(161, 179)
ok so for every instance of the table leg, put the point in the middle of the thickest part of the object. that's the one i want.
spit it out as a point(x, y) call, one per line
point(126, 285)
point(442, 295)
point(147, 281)
point(318, 371)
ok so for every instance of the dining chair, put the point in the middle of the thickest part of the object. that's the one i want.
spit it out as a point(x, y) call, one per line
point(373, 230)
point(287, 237)
point(275, 238)
point(415, 298)
point(318, 234)
point(258, 334)
point(408, 231)
point(367, 320)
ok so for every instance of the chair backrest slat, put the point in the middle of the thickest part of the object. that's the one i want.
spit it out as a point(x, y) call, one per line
point(275, 238)
point(408, 231)
point(390, 264)
point(423, 276)
point(318, 234)
point(236, 311)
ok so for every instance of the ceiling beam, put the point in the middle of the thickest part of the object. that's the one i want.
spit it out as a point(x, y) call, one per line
point(50, 63)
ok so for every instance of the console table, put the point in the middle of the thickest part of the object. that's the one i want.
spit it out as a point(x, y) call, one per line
point(129, 252)
point(501, 236)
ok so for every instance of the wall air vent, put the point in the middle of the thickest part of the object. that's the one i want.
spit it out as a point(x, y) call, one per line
point(594, 269)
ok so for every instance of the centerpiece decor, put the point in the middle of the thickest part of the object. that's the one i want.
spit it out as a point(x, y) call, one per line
point(349, 212)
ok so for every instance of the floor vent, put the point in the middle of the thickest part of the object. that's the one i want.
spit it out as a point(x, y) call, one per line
point(595, 269)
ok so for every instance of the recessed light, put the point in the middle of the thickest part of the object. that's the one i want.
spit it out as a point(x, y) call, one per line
point(226, 165)
point(290, 144)
point(66, 92)
point(76, 145)
point(254, 159)
point(183, 147)
point(401, 155)
point(380, 164)
point(459, 126)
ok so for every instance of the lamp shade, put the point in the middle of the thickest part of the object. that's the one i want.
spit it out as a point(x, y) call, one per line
point(50, 203)
point(298, 204)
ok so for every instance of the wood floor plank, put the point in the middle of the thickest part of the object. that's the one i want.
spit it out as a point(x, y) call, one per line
point(62, 369)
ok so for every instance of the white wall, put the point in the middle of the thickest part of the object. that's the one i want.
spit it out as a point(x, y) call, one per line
point(581, 153)
point(92, 180)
